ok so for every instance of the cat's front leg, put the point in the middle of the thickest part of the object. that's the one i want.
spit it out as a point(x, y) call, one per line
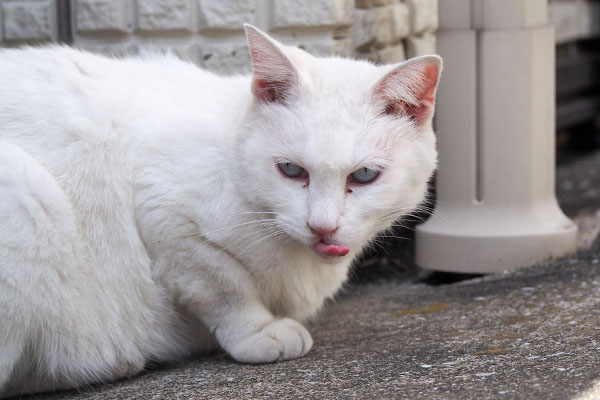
point(259, 338)
point(217, 289)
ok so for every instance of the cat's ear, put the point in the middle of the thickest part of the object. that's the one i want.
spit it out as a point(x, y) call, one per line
point(274, 78)
point(409, 89)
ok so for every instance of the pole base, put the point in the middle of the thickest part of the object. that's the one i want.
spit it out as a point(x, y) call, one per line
point(479, 239)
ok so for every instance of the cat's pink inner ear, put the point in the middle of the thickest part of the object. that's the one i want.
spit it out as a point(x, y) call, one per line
point(410, 89)
point(274, 78)
point(431, 74)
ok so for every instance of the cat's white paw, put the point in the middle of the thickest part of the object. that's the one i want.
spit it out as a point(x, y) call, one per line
point(282, 339)
point(127, 369)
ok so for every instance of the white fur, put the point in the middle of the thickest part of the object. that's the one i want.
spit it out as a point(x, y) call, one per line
point(142, 216)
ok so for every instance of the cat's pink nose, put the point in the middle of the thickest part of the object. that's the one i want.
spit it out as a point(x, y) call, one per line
point(322, 230)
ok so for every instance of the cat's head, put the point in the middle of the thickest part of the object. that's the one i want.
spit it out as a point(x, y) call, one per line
point(336, 149)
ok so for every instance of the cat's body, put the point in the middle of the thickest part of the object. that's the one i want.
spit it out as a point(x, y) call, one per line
point(143, 216)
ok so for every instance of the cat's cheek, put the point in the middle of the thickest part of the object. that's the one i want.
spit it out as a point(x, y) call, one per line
point(289, 207)
point(366, 219)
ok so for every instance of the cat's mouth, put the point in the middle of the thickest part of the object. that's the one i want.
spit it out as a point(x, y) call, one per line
point(330, 249)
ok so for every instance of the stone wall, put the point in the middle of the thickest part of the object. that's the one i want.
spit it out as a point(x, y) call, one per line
point(209, 32)
point(28, 21)
point(389, 31)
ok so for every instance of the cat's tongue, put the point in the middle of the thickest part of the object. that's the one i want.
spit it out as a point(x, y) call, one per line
point(331, 250)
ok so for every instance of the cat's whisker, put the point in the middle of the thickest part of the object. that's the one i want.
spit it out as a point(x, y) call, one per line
point(413, 218)
point(276, 233)
point(244, 225)
point(404, 214)
point(255, 232)
point(393, 237)
point(255, 213)
point(399, 211)
point(374, 243)
point(399, 226)
point(240, 239)
point(237, 240)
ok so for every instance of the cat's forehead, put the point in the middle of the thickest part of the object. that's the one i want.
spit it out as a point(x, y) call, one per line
point(330, 137)
point(340, 80)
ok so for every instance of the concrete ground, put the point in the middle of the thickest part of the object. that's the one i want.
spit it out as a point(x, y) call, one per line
point(401, 332)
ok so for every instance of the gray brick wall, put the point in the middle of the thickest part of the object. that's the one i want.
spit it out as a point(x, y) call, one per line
point(389, 31)
point(209, 32)
point(31, 21)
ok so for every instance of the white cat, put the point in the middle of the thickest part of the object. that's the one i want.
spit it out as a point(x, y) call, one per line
point(150, 210)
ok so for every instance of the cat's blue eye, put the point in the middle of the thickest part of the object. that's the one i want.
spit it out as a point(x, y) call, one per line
point(291, 170)
point(364, 175)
